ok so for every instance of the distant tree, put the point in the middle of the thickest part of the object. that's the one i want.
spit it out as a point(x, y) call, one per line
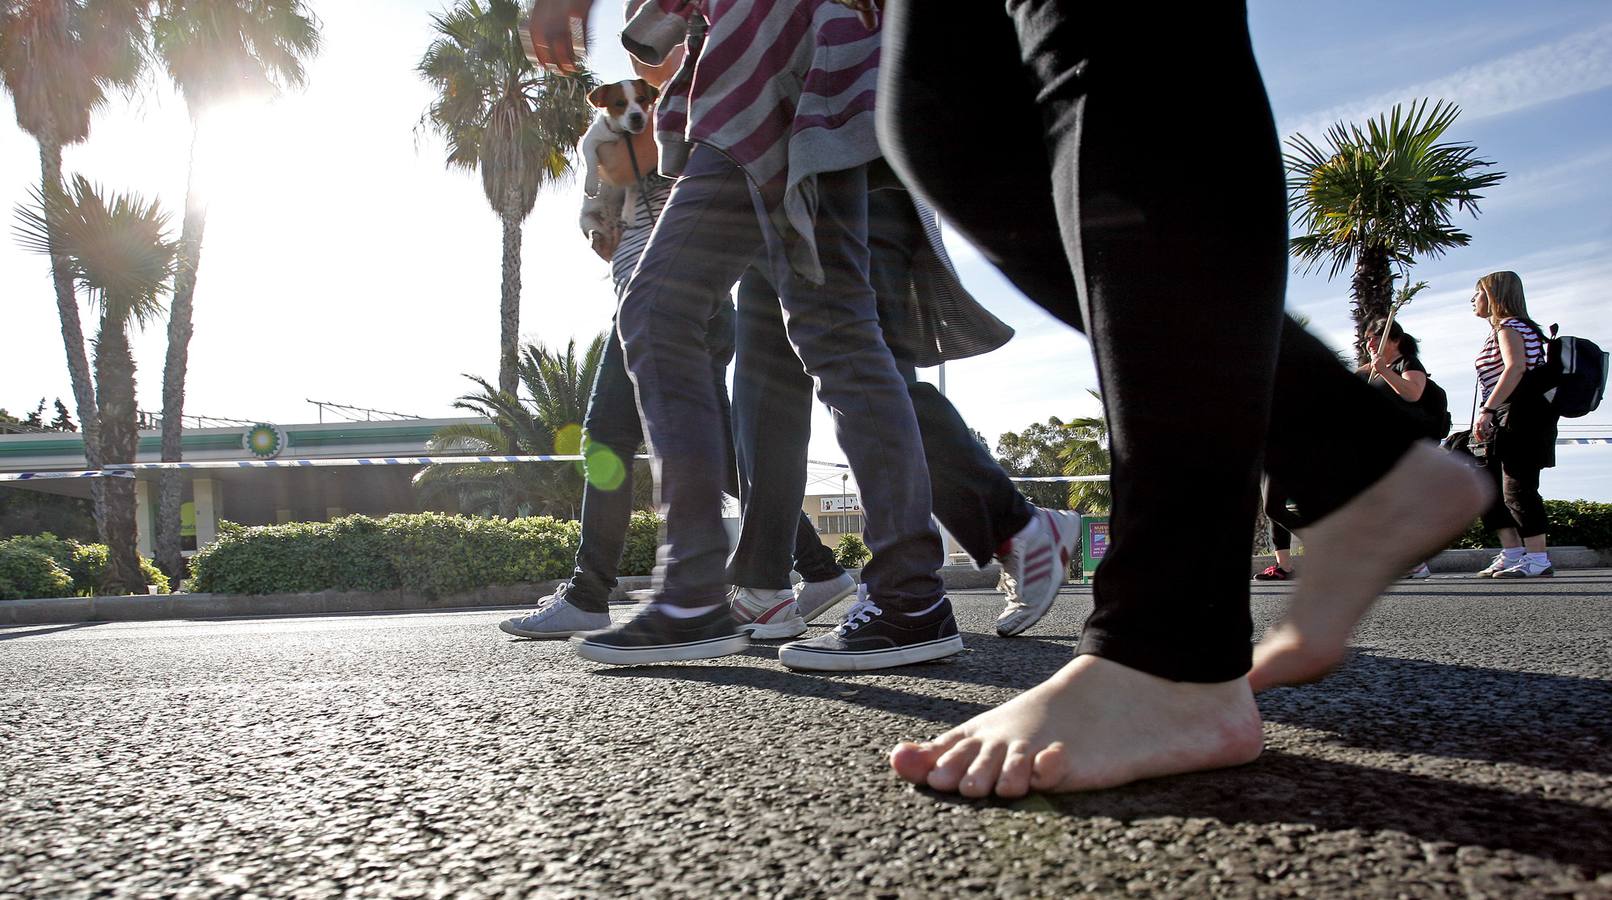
point(214, 51)
point(502, 117)
point(36, 419)
point(63, 421)
point(548, 419)
point(117, 248)
point(1382, 196)
point(59, 59)
point(1085, 452)
point(1034, 452)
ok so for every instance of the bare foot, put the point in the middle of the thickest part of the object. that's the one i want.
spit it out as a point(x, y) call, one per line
point(1426, 499)
point(1093, 724)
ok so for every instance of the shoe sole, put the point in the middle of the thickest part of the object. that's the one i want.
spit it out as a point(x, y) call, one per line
point(809, 615)
point(617, 656)
point(829, 661)
point(775, 631)
point(509, 629)
point(1545, 574)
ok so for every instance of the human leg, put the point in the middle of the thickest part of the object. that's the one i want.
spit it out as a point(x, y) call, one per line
point(612, 434)
point(704, 238)
point(835, 332)
point(1115, 200)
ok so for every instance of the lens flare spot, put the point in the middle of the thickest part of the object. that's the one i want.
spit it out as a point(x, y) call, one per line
point(568, 440)
point(605, 469)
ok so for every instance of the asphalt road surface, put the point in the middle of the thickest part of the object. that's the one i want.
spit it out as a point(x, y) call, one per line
point(1466, 749)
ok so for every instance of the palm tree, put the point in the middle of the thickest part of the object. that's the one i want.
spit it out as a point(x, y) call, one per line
point(59, 59)
point(1382, 196)
point(504, 118)
point(215, 51)
point(548, 420)
point(1085, 452)
point(116, 248)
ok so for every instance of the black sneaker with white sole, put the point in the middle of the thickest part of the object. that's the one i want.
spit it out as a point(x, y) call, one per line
point(652, 636)
point(871, 637)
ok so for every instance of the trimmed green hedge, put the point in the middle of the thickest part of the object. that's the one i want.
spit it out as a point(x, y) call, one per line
point(23, 575)
point(1572, 523)
point(434, 553)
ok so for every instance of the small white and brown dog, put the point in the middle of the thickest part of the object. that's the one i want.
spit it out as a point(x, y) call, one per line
point(625, 110)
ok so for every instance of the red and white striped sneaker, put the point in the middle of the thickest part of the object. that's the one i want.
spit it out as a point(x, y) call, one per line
point(766, 615)
point(1036, 561)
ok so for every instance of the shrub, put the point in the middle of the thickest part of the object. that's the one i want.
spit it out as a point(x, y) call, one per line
point(26, 572)
point(1570, 523)
point(851, 552)
point(85, 564)
point(643, 542)
point(434, 553)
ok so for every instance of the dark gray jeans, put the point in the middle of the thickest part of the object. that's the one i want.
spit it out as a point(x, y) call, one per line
point(707, 235)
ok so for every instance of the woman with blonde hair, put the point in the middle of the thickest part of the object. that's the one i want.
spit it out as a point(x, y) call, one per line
point(1518, 424)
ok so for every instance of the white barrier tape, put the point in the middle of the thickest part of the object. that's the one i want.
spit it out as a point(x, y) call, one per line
point(1058, 478)
point(47, 476)
point(127, 471)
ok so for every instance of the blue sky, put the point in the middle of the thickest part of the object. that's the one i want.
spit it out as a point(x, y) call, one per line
point(344, 263)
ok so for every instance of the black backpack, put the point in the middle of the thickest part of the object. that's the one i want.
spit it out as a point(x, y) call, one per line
point(1435, 407)
point(1573, 375)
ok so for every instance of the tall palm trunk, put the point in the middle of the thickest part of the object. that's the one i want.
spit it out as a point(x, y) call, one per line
point(170, 557)
point(78, 363)
point(1372, 289)
point(509, 305)
point(509, 326)
point(114, 382)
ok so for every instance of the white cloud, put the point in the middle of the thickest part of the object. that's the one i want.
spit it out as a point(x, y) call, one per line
point(1576, 64)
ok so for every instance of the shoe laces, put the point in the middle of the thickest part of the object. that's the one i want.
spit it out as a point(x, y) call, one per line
point(555, 599)
point(860, 613)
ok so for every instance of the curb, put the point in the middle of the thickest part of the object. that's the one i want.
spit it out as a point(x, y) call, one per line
point(164, 607)
point(1458, 561)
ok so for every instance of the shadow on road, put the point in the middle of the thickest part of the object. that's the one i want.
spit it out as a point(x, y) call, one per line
point(7, 634)
point(1556, 722)
point(1333, 796)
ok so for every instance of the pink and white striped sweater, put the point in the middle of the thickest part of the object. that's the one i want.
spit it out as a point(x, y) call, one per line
point(784, 88)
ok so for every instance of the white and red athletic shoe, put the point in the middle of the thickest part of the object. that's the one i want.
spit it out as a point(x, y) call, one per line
point(766, 615)
point(1035, 564)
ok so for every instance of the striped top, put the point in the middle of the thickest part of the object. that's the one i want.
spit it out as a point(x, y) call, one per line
point(1490, 364)
point(784, 88)
point(635, 237)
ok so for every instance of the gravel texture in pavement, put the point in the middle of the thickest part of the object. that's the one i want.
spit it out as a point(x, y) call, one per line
point(1466, 748)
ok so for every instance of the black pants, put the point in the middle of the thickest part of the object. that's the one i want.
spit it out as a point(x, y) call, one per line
point(1517, 503)
point(1122, 169)
point(1283, 520)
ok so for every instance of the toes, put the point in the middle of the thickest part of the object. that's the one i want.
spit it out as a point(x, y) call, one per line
point(983, 771)
point(953, 765)
point(1050, 767)
point(1014, 781)
point(913, 762)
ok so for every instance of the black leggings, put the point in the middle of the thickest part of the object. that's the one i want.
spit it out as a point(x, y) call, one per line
point(1122, 169)
point(1517, 503)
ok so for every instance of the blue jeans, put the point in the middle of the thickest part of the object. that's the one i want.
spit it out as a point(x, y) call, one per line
point(707, 236)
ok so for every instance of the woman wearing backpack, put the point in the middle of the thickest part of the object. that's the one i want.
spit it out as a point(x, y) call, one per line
point(1518, 421)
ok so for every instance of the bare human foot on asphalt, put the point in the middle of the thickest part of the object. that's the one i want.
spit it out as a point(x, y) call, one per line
point(1093, 724)
point(1426, 499)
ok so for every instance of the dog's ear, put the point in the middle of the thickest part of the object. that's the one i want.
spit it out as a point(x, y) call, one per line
point(650, 91)
point(596, 97)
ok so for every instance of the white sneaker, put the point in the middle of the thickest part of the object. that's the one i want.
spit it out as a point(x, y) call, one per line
point(1527, 569)
point(766, 615)
point(1036, 565)
point(1421, 571)
point(555, 619)
point(814, 598)
point(1496, 566)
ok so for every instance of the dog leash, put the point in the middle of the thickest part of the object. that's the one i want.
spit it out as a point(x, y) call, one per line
point(643, 192)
